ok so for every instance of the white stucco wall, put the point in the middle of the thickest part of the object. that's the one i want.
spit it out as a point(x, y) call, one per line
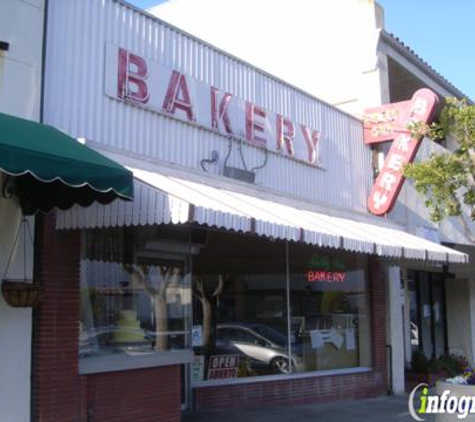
point(327, 48)
point(15, 323)
point(21, 25)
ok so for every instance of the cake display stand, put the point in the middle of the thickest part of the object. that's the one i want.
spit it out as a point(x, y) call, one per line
point(128, 336)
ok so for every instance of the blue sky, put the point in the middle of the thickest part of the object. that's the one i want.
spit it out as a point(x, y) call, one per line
point(146, 4)
point(441, 32)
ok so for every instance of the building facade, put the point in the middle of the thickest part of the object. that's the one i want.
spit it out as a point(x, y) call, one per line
point(361, 67)
point(246, 271)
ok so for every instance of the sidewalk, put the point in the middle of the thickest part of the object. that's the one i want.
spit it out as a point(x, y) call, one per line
point(386, 408)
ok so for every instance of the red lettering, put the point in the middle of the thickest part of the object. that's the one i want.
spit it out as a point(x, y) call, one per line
point(326, 276)
point(132, 77)
point(178, 96)
point(285, 137)
point(253, 126)
point(403, 149)
point(220, 113)
point(311, 139)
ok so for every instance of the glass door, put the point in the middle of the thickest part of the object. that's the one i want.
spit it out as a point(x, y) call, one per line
point(425, 305)
point(438, 314)
point(428, 312)
point(414, 312)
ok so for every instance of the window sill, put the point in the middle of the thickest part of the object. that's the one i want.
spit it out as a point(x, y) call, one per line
point(113, 363)
point(282, 377)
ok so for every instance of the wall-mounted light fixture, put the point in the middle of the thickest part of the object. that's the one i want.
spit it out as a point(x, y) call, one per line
point(4, 46)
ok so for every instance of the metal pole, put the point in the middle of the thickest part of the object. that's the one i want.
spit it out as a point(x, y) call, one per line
point(289, 328)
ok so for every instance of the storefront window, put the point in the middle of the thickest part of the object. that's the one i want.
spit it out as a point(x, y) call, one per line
point(135, 294)
point(240, 311)
point(330, 311)
point(138, 297)
point(241, 323)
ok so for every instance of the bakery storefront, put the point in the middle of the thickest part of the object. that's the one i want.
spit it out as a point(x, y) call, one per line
point(246, 271)
point(150, 292)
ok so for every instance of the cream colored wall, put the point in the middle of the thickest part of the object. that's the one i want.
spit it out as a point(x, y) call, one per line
point(21, 25)
point(15, 323)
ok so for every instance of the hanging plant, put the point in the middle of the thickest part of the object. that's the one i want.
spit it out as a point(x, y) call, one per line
point(21, 293)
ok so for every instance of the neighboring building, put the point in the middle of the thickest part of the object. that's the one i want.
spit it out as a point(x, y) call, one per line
point(21, 30)
point(40, 168)
point(247, 270)
point(340, 52)
point(438, 300)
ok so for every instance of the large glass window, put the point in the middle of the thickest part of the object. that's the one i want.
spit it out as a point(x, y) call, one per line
point(249, 307)
point(241, 316)
point(135, 292)
point(330, 309)
point(239, 308)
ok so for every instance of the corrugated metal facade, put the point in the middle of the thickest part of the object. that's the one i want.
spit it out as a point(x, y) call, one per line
point(75, 101)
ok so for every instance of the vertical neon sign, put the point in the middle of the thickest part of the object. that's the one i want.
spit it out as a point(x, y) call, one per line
point(391, 122)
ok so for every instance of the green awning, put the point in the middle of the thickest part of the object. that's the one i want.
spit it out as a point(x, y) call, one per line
point(54, 170)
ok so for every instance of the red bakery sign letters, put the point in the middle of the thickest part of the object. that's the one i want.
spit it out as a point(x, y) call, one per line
point(137, 80)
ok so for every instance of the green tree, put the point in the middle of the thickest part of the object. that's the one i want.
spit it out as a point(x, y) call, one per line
point(446, 180)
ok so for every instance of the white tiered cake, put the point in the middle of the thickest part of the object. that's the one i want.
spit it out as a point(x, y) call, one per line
point(128, 328)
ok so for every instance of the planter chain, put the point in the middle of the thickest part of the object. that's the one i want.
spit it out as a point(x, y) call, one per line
point(26, 228)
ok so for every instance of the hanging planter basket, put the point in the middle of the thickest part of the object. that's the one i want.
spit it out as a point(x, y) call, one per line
point(21, 294)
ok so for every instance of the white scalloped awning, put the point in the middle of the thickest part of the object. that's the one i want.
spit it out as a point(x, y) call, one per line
point(161, 199)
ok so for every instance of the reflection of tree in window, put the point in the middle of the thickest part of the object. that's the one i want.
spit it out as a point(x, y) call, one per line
point(208, 300)
point(166, 277)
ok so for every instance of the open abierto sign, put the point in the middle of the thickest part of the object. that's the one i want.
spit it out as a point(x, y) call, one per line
point(391, 122)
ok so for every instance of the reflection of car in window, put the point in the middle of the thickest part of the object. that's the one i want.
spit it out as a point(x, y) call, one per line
point(264, 346)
